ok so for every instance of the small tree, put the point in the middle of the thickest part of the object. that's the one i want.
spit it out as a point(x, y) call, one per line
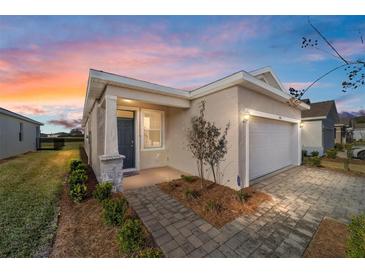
point(216, 147)
point(197, 136)
point(207, 144)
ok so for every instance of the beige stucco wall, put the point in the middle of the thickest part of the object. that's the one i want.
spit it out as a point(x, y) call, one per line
point(221, 107)
point(312, 136)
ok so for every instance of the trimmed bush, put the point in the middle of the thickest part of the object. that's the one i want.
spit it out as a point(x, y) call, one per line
point(103, 191)
point(150, 253)
point(114, 211)
point(214, 206)
point(356, 242)
point(131, 236)
point(314, 153)
point(78, 192)
point(339, 146)
point(314, 161)
point(242, 196)
point(188, 178)
point(331, 153)
point(76, 164)
point(78, 176)
point(191, 194)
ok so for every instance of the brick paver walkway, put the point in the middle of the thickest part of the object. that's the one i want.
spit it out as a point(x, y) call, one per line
point(281, 228)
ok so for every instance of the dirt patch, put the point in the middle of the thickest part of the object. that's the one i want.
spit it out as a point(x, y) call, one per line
point(82, 232)
point(341, 160)
point(329, 240)
point(224, 199)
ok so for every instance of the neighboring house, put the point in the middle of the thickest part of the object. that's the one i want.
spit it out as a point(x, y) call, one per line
point(358, 127)
point(143, 125)
point(18, 134)
point(318, 126)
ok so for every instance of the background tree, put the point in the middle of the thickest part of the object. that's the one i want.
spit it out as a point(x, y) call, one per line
point(354, 69)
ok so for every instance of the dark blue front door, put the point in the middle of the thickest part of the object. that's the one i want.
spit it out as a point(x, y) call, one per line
point(126, 144)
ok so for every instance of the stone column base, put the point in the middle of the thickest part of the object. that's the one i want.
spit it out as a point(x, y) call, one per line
point(111, 170)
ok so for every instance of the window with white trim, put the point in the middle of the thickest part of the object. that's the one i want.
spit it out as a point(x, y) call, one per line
point(152, 126)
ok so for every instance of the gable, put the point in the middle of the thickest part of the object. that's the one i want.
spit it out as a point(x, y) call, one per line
point(268, 76)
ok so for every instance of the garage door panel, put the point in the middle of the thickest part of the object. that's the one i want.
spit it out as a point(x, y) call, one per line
point(271, 144)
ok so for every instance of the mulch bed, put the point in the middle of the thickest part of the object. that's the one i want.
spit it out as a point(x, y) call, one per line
point(82, 232)
point(329, 240)
point(226, 197)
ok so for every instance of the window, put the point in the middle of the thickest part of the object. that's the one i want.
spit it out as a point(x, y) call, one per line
point(20, 132)
point(152, 125)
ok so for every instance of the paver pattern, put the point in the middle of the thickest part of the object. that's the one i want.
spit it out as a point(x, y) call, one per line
point(283, 227)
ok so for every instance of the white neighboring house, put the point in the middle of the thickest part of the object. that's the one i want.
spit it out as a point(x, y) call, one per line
point(18, 134)
point(318, 126)
point(132, 125)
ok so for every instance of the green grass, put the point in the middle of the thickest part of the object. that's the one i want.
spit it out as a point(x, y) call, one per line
point(353, 167)
point(30, 187)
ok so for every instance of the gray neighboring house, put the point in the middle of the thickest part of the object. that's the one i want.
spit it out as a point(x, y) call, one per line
point(318, 126)
point(18, 134)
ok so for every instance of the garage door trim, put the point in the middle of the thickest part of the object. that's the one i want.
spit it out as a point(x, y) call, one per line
point(272, 116)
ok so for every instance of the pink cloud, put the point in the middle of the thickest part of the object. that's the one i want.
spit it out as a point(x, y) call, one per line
point(349, 48)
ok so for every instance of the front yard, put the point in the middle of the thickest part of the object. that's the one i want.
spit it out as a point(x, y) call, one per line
point(30, 187)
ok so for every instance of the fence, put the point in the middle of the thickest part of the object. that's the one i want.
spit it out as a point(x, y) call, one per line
point(47, 143)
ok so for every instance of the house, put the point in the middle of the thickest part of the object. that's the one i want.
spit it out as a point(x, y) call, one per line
point(318, 126)
point(131, 125)
point(358, 127)
point(18, 134)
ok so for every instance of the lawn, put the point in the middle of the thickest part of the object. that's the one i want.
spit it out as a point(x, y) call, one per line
point(356, 166)
point(30, 187)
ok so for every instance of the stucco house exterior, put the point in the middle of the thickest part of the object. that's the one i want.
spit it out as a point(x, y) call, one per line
point(18, 134)
point(318, 126)
point(132, 125)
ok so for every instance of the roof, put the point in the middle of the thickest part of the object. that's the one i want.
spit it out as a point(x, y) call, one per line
point(99, 80)
point(18, 116)
point(319, 110)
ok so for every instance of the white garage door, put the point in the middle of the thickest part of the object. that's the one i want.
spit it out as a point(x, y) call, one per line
point(271, 146)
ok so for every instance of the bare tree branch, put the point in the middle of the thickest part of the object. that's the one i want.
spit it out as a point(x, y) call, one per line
point(328, 43)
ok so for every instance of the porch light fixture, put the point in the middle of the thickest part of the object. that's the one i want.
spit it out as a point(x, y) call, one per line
point(245, 116)
point(301, 124)
point(127, 100)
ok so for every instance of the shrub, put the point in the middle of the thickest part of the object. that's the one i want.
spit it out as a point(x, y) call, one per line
point(114, 211)
point(78, 176)
point(103, 191)
point(304, 153)
point(339, 146)
point(150, 253)
point(214, 206)
point(356, 241)
point(188, 178)
point(242, 196)
point(130, 236)
point(76, 164)
point(314, 153)
point(191, 194)
point(78, 192)
point(314, 161)
point(331, 153)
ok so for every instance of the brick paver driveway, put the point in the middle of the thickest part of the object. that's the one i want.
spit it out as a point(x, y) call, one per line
point(282, 228)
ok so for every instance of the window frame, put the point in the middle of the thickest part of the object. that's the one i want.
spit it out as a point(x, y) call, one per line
point(21, 135)
point(162, 130)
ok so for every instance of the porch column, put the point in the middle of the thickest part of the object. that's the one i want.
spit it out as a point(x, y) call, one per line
point(111, 163)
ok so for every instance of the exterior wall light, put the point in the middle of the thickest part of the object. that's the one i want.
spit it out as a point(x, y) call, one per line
point(301, 124)
point(245, 117)
point(127, 100)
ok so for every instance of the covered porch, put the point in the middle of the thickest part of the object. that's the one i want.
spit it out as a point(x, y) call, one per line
point(150, 176)
point(132, 136)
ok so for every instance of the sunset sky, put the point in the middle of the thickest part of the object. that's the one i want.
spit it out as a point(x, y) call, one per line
point(44, 60)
